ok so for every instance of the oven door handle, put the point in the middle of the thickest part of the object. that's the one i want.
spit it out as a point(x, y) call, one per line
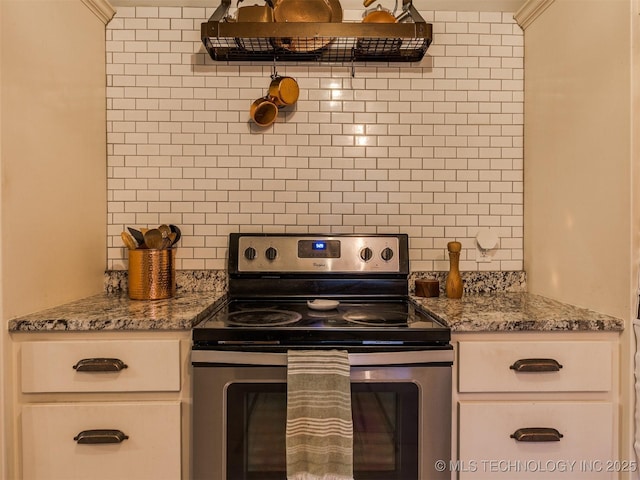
point(411, 357)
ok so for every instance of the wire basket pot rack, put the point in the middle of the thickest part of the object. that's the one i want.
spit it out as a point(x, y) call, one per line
point(405, 41)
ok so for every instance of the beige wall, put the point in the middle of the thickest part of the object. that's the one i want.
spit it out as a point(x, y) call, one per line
point(52, 166)
point(53, 154)
point(630, 339)
point(580, 226)
point(4, 338)
point(577, 154)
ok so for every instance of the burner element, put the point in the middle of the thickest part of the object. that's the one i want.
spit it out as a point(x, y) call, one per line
point(262, 317)
point(376, 318)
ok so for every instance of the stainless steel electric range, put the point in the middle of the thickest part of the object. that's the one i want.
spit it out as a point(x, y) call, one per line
point(309, 291)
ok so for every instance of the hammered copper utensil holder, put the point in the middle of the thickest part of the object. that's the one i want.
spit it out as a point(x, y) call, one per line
point(152, 274)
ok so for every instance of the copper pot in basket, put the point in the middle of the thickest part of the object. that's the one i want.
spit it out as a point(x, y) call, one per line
point(255, 13)
point(375, 46)
point(297, 11)
point(378, 15)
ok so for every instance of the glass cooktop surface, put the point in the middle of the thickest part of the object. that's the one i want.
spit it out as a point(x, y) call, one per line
point(315, 322)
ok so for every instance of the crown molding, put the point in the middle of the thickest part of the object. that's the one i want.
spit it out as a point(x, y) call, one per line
point(531, 10)
point(101, 8)
point(441, 5)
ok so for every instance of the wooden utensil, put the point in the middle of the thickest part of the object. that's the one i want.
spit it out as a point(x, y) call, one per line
point(164, 230)
point(128, 241)
point(153, 239)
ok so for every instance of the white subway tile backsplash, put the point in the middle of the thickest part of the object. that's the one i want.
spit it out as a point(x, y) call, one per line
point(432, 149)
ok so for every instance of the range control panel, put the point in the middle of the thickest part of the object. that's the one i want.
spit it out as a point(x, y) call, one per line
point(308, 253)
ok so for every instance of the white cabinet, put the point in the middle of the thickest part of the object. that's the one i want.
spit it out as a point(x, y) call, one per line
point(102, 409)
point(493, 367)
point(579, 433)
point(101, 366)
point(141, 441)
point(536, 406)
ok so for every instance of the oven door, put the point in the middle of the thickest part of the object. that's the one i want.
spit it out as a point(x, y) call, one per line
point(401, 404)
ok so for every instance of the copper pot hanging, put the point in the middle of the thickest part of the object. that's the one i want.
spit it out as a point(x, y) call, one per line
point(284, 91)
point(263, 111)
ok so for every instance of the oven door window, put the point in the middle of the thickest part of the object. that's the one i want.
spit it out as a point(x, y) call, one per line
point(385, 431)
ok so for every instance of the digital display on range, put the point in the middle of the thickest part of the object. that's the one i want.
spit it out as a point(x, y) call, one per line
point(319, 249)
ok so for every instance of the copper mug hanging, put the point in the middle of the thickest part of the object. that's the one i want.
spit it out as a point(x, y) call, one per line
point(283, 91)
point(263, 111)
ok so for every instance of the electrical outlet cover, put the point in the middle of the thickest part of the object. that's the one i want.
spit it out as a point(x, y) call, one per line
point(487, 239)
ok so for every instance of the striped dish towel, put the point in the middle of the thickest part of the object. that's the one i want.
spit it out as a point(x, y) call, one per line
point(319, 423)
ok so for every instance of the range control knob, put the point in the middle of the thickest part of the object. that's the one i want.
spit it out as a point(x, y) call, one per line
point(250, 253)
point(271, 253)
point(366, 254)
point(387, 254)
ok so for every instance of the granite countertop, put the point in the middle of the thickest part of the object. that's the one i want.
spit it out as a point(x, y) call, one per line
point(512, 312)
point(109, 312)
point(495, 312)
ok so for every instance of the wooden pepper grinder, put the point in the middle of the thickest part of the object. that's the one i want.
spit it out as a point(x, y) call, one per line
point(453, 287)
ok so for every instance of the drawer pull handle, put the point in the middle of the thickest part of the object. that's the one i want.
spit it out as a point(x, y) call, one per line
point(536, 434)
point(536, 365)
point(100, 436)
point(99, 365)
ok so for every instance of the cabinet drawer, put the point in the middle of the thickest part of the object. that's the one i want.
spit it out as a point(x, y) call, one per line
point(489, 367)
point(487, 450)
point(151, 365)
point(151, 451)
